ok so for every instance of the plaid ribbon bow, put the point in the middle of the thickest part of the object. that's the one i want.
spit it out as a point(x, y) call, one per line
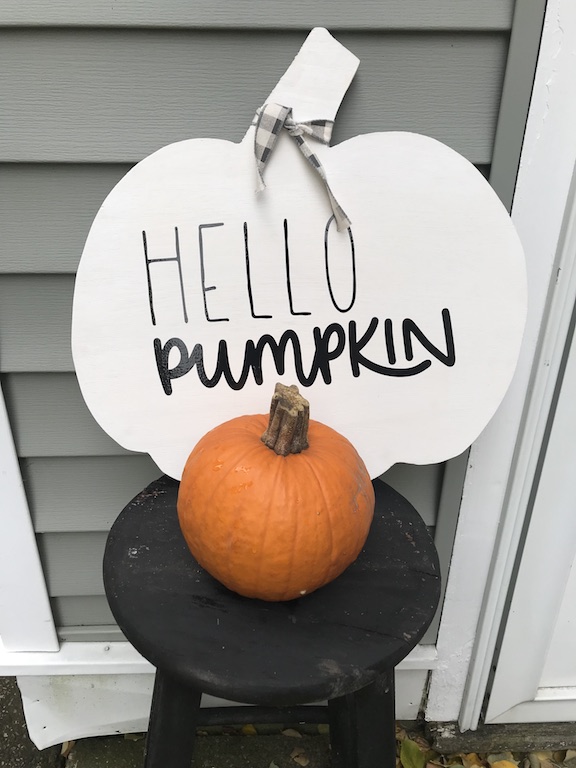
point(269, 121)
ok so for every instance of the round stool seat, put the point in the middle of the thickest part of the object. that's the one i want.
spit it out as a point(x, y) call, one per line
point(332, 642)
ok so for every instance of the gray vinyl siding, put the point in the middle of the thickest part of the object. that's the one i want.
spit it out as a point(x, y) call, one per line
point(115, 96)
point(88, 89)
point(488, 15)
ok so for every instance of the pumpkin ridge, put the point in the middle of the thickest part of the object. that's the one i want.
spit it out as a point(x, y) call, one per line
point(328, 439)
point(267, 523)
point(288, 581)
point(328, 450)
point(249, 450)
point(207, 503)
point(239, 427)
point(314, 474)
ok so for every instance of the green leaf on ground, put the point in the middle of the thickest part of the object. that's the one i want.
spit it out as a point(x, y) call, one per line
point(411, 756)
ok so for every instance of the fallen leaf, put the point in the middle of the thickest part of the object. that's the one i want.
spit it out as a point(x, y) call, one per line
point(423, 743)
point(541, 759)
point(299, 756)
point(471, 759)
point(292, 732)
point(249, 730)
point(67, 747)
point(501, 757)
point(323, 728)
point(504, 764)
point(570, 754)
point(411, 756)
point(272, 765)
point(400, 733)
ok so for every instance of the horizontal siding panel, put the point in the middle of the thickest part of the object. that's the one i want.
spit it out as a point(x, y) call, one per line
point(50, 418)
point(272, 14)
point(83, 494)
point(89, 610)
point(72, 563)
point(35, 323)
point(115, 96)
point(87, 494)
point(91, 634)
point(421, 485)
point(73, 567)
point(46, 212)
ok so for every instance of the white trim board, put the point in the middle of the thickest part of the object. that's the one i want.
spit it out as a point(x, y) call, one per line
point(503, 460)
point(542, 199)
point(26, 622)
point(121, 658)
point(540, 586)
point(549, 705)
point(542, 193)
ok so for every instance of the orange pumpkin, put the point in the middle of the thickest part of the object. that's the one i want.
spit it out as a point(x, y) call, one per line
point(275, 507)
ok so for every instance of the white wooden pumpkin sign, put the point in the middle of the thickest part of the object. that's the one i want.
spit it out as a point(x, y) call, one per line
point(400, 319)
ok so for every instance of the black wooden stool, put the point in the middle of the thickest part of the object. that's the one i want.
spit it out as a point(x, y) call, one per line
point(340, 643)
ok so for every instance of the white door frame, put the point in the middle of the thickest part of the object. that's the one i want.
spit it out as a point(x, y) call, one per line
point(503, 461)
point(518, 692)
point(26, 622)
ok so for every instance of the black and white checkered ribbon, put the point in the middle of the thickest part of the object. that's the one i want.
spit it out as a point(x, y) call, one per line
point(269, 121)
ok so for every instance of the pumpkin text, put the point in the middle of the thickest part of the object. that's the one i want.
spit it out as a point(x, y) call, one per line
point(329, 344)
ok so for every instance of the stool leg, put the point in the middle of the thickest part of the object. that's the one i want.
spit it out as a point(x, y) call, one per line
point(376, 723)
point(363, 727)
point(172, 728)
point(342, 722)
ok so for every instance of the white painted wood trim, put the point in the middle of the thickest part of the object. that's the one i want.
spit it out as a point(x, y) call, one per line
point(78, 658)
point(543, 197)
point(502, 461)
point(541, 582)
point(549, 705)
point(26, 622)
point(121, 658)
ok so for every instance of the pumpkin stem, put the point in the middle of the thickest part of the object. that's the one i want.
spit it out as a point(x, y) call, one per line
point(287, 430)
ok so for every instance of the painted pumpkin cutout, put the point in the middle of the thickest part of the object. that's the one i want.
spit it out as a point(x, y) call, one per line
point(195, 293)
